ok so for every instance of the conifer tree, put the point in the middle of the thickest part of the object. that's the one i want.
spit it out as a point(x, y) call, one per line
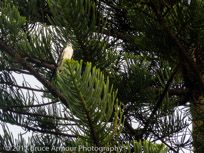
point(135, 77)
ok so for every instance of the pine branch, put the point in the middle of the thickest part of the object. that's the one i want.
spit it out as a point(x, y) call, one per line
point(23, 87)
point(90, 122)
point(164, 142)
point(36, 114)
point(42, 63)
point(41, 78)
point(30, 106)
point(38, 130)
point(182, 51)
point(47, 131)
point(159, 103)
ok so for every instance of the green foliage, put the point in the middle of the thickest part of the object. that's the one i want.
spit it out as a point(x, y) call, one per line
point(146, 146)
point(138, 147)
point(47, 143)
point(38, 47)
point(83, 26)
point(91, 102)
point(11, 22)
point(38, 143)
point(129, 77)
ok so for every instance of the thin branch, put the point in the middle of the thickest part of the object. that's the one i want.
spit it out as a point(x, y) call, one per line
point(148, 15)
point(23, 87)
point(120, 35)
point(132, 130)
point(38, 130)
point(170, 91)
point(17, 70)
point(164, 142)
point(46, 131)
point(115, 7)
point(159, 103)
point(55, 92)
point(36, 114)
point(43, 63)
point(82, 47)
point(30, 106)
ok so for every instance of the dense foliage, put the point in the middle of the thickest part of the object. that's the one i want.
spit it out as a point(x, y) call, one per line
point(136, 74)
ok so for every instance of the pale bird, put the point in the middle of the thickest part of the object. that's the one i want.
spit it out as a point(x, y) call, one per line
point(66, 54)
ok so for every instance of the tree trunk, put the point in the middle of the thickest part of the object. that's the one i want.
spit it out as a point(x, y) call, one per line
point(197, 112)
